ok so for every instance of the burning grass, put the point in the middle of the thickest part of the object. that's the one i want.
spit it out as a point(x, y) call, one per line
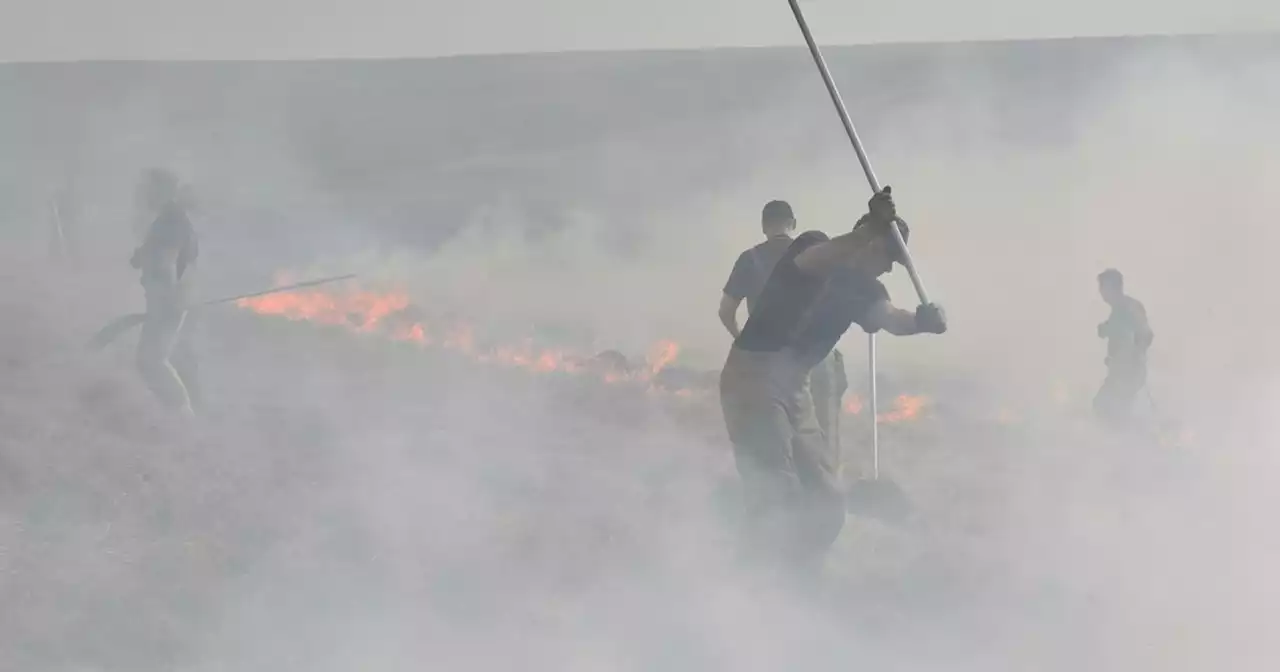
point(392, 315)
point(477, 487)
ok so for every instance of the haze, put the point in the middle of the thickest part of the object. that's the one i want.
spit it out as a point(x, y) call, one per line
point(349, 501)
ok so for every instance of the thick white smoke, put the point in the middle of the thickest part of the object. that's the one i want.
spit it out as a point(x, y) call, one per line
point(349, 503)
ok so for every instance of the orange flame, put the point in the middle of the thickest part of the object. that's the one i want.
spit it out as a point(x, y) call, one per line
point(413, 333)
point(661, 355)
point(362, 310)
point(461, 338)
point(369, 312)
point(905, 407)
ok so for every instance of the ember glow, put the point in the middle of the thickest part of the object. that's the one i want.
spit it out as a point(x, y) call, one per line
point(392, 315)
point(660, 355)
point(389, 314)
point(360, 310)
point(905, 407)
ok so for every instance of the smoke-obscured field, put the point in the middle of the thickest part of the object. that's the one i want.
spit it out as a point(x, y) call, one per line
point(427, 468)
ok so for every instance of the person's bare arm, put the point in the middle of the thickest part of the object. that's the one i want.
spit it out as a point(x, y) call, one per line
point(729, 314)
point(824, 257)
point(888, 317)
point(927, 319)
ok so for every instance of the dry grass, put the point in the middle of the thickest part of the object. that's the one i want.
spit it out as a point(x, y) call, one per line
point(350, 502)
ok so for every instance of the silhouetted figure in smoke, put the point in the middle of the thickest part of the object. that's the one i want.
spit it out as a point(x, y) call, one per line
point(827, 380)
point(1128, 337)
point(167, 256)
point(819, 288)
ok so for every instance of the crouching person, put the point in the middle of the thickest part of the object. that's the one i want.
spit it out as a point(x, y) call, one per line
point(818, 289)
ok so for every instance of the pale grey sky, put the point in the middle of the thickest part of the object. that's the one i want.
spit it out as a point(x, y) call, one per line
point(289, 29)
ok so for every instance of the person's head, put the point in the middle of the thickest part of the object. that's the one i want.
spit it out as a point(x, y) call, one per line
point(159, 187)
point(777, 219)
point(880, 249)
point(1110, 285)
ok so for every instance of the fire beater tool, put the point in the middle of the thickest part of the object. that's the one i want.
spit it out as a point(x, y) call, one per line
point(879, 497)
point(115, 328)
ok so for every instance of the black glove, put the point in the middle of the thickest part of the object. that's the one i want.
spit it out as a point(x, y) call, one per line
point(930, 319)
point(881, 206)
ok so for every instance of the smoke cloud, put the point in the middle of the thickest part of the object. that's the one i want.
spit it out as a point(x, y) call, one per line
point(349, 502)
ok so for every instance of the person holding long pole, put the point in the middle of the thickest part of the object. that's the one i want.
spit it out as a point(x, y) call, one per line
point(819, 288)
point(166, 258)
point(877, 496)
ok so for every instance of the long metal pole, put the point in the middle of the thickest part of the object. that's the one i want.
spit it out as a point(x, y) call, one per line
point(277, 290)
point(836, 100)
point(113, 329)
point(874, 183)
point(875, 409)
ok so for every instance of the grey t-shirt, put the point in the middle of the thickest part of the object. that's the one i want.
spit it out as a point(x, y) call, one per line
point(753, 268)
point(1127, 332)
point(170, 232)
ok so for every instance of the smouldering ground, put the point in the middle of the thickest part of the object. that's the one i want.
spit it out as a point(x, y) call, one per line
point(351, 502)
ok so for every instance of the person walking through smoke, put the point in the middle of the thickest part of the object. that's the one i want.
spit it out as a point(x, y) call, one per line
point(166, 259)
point(1128, 338)
point(819, 287)
point(827, 380)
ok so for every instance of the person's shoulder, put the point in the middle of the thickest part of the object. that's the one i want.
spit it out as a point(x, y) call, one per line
point(174, 217)
point(807, 240)
point(175, 211)
point(811, 238)
point(170, 226)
